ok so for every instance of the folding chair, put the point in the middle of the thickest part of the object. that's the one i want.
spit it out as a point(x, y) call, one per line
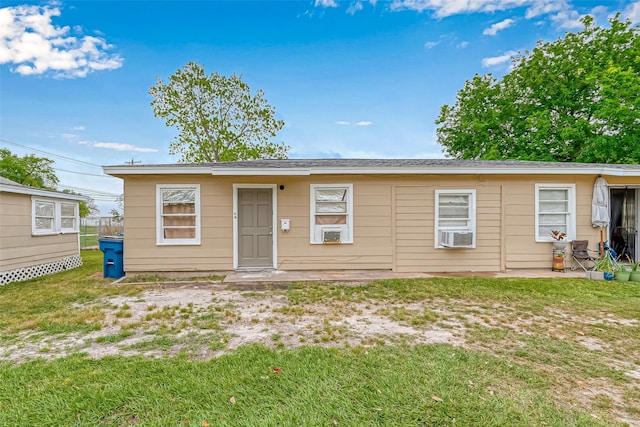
point(582, 256)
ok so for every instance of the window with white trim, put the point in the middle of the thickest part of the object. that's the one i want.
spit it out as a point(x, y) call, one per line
point(455, 219)
point(331, 213)
point(555, 210)
point(68, 217)
point(54, 217)
point(44, 217)
point(178, 214)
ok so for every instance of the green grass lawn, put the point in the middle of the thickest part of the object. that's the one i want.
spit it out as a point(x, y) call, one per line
point(522, 362)
point(387, 386)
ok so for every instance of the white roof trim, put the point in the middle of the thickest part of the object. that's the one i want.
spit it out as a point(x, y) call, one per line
point(473, 171)
point(156, 170)
point(266, 171)
point(23, 189)
point(230, 171)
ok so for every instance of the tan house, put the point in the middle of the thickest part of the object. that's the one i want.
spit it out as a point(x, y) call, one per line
point(396, 215)
point(39, 232)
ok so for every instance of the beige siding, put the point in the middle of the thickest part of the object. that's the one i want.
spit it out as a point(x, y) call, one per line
point(18, 248)
point(372, 234)
point(522, 251)
point(372, 227)
point(415, 229)
point(141, 253)
point(393, 223)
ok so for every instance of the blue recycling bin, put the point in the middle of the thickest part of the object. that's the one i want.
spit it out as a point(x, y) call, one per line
point(113, 259)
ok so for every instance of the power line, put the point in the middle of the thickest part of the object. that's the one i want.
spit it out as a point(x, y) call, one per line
point(84, 173)
point(100, 193)
point(96, 195)
point(52, 154)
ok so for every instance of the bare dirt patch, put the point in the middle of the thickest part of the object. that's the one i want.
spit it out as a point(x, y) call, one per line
point(203, 320)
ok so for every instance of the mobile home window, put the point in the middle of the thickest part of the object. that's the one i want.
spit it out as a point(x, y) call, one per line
point(178, 216)
point(54, 217)
point(331, 213)
point(68, 216)
point(455, 222)
point(44, 217)
point(555, 210)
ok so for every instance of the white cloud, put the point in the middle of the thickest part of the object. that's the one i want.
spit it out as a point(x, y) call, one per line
point(567, 19)
point(561, 12)
point(355, 7)
point(326, 3)
point(444, 8)
point(545, 7)
point(119, 147)
point(34, 45)
point(498, 60)
point(78, 128)
point(360, 123)
point(462, 44)
point(498, 26)
point(431, 44)
point(600, 11)
point(632, 12)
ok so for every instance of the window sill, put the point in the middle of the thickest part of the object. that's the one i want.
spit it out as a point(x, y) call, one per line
point(45, 233)
point(331, 244)
point(178, 243)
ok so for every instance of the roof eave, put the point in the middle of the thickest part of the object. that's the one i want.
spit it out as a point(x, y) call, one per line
point(256, 171)
point(426, 171)
point(159, 170)
point(262, 171)
point(40, 192)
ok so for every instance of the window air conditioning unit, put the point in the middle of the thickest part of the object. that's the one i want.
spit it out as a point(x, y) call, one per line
point(456, 239)
point(331, 237)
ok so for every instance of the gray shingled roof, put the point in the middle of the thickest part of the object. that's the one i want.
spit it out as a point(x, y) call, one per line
point(396, 163)
point(384, 163)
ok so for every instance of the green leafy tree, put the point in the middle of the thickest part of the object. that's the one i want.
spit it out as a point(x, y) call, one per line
point(37, 172)
point(87, 207)
point(28, 170)
point(574, 99)
point(217, 117)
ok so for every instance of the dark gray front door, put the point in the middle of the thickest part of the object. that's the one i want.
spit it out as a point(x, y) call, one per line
point(255, 232)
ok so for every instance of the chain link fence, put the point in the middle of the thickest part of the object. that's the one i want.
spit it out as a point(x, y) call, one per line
point(92, 228)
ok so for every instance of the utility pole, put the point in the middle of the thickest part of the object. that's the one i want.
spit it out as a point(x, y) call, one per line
point(131, 162)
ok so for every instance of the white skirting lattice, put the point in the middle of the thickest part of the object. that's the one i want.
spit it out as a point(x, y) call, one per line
point(26, 273)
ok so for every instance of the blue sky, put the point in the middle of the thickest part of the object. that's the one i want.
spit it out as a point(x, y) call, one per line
point(353, 79)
